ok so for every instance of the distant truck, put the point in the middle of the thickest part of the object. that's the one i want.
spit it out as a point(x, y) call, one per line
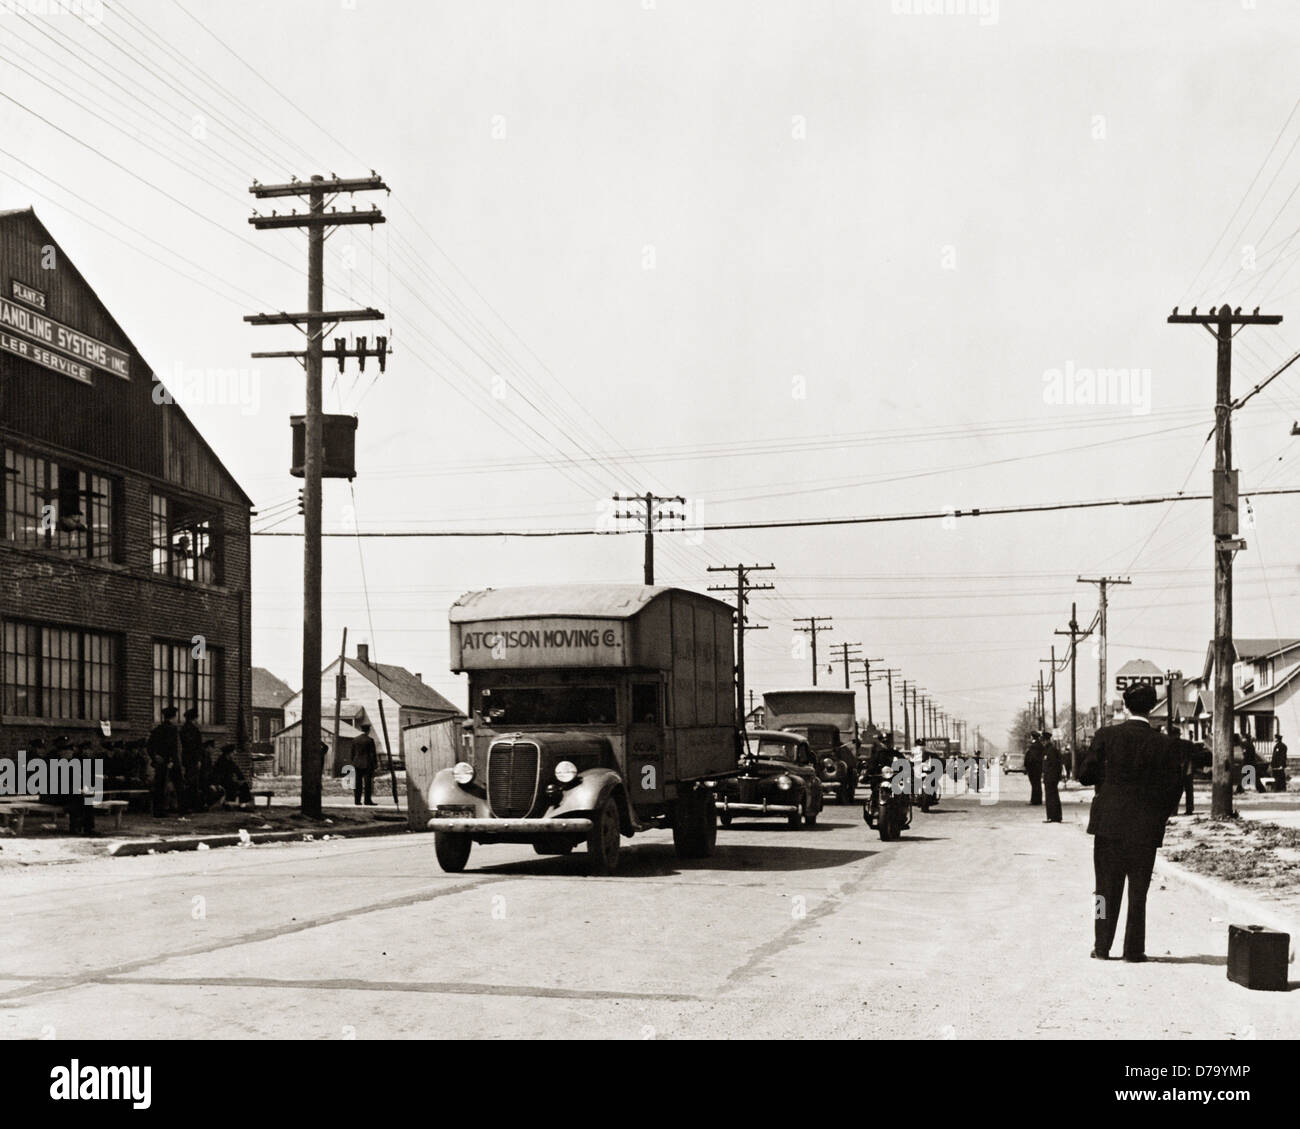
point(828, 719)
point(598, 711)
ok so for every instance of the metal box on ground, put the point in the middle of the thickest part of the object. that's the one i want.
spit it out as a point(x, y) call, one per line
point(1257, 957)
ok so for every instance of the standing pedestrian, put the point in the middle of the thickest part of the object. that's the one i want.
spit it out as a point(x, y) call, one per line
point(1250, 760)
point(365, 759)
point(192, 762)
point(1052, 780)
point(1187, 751)
point(1034, 770)
point(1137, 771)
point(165, 752)
point(1278, 763)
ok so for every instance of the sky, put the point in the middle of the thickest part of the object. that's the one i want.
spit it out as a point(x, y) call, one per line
point(787, 260)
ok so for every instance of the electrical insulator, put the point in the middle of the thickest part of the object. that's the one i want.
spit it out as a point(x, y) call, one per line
point(302, 505)
point(361, 353)
point(381, 348)
point(340, 351)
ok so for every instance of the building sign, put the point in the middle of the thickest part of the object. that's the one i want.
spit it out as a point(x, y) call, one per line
point(55, 337)
point(512, 644)
point(55, 362)
point(28, 294)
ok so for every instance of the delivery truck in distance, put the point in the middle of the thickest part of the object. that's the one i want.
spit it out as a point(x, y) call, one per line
point(598, 711)
point(828, 719)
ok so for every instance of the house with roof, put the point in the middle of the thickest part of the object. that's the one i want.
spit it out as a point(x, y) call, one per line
point(1265, 683)
point(269, 696)
point(359, 687)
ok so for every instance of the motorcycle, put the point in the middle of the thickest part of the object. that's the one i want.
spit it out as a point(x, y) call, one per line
point(888, 811)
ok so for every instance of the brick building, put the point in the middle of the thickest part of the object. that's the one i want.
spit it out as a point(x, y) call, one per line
point(124, 542)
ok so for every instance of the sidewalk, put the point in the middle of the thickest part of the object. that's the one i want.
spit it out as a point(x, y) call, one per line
point(46, 843)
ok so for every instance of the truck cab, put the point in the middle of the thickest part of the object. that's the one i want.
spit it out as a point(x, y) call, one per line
point(598, 712)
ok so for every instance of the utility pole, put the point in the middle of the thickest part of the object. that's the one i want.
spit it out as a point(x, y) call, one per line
point(1219, 323)
point(313, 323)
point(845, 655)
point(866, 681)
point(909, 727)
point(1052, 668)
point(1103, 583)
point(815, 624)
point(742, 588)
point(1075, 635)
point(889, 682)
point(1042, 704)
point(650, 519)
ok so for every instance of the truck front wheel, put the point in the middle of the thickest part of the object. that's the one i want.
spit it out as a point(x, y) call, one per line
point(452, 849)
point(695, 825)
point(603, 841)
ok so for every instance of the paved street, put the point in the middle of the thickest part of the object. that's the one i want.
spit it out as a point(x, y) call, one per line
point(975, 924)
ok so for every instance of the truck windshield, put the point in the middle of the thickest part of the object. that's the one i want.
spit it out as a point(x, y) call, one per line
point(823, 738)
point(550, 705)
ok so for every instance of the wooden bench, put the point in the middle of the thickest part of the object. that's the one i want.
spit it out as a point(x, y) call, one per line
point(115, 808)
point(267, 792)
point(21, 809)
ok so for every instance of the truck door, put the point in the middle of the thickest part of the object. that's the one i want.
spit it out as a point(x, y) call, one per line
point(645, 761)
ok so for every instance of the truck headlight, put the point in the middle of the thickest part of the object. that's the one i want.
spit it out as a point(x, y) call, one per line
point(463, 773)
point(784, 783)
point(566, 772)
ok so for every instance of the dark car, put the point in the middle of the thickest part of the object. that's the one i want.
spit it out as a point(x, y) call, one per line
point(778, 776)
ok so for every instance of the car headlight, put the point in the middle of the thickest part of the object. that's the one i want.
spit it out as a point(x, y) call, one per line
point(463, 773)
point(784, 783)
point(566, 772)
point(828, 763)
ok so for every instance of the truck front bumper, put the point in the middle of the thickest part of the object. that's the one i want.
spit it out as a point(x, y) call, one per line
point(472, 826)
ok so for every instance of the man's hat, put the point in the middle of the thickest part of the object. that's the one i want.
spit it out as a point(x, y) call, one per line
point(191, 713)
point(169, 712)
point(1140, 699)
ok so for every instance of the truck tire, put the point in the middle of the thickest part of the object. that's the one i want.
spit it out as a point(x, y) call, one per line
point(709, 825)
point(810, 819)
point(603, 842)
point(724, 818)
point(452, 849)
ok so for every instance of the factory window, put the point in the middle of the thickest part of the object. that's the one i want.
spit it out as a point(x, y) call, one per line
point(186, 540)
point(182, 679)
point(50, 505)
point(59, 672)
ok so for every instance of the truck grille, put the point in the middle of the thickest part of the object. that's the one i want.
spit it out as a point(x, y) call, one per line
point(513, 773)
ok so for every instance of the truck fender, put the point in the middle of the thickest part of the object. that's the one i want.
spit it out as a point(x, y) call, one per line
point(445, 791)
point(589, 791)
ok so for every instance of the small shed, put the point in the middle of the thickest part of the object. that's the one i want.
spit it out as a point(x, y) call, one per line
point(288, 748)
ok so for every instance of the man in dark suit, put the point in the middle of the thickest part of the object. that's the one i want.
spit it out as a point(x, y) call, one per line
point(365, 759)
point(1034, 770)
point(1137, 771)
point(165, 751)
point(1052, 779)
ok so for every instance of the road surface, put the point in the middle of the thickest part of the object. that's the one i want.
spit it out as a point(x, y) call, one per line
point(976, 924)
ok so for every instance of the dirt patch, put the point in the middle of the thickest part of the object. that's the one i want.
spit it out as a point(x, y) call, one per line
point(1247, 852)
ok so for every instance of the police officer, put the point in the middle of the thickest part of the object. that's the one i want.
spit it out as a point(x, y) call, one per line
point(191, 737)
point(1278, 763)
point(365, 759)
point(1137, 771)
point(1034, 770)
point(165, 752)
point(1052, 779)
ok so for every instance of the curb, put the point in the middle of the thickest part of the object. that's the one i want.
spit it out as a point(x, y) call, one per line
point(128, 848)
point(1248, 907)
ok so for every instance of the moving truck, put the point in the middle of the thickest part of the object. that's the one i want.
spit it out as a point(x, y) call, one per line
point(828, 719)
point(598, 711)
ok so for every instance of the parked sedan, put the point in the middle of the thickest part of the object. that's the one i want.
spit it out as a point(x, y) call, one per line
point(778, 776)
point(1013, 762)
